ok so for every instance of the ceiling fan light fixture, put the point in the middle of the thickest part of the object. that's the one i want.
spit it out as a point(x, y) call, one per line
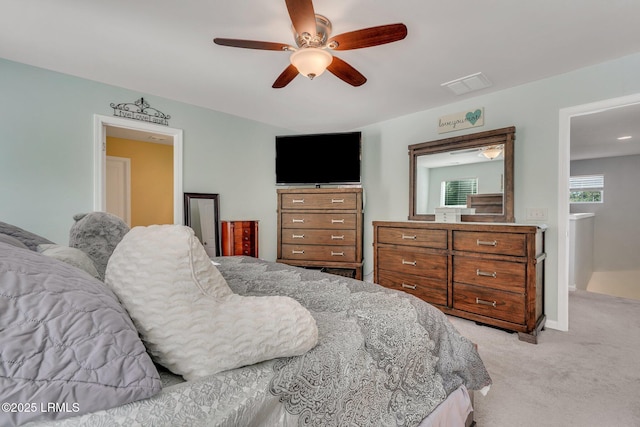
point(311, 61)
point(492, 152)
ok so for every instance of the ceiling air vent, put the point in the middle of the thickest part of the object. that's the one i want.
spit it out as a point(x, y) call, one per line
point(467, 84)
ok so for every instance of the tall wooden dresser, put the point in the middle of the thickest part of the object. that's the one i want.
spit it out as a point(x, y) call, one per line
point(240, 238)
point(321, 228)
point(489, 273)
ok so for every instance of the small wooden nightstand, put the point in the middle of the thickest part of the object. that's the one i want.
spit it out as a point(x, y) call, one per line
point(240, 238)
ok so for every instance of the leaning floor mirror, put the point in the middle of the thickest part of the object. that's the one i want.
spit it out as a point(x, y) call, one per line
point(201, 213)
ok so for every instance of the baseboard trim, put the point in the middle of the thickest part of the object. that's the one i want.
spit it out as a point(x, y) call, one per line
point(553, 324)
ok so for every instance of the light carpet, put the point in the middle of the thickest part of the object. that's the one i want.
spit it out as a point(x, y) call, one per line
point(588, 376)
point(624, 283)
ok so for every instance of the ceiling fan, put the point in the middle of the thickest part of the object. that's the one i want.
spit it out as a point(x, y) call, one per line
point(312, 34)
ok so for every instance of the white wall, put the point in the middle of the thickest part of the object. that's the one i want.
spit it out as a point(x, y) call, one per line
point(616, 228)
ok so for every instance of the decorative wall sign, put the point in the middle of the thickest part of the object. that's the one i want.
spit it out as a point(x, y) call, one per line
point(140, 110)
point(463, 120)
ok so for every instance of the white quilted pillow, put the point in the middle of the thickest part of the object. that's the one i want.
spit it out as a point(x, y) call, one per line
point(188, 317)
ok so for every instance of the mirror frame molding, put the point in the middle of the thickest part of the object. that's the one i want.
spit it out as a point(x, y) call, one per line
point(505, 136)
point(216, 213)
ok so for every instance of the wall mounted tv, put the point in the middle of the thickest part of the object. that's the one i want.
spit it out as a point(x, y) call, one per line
point(328, 158)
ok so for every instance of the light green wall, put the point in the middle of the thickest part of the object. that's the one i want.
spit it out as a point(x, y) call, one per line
point(533, 109)
point(47, 135)
point(46, 152)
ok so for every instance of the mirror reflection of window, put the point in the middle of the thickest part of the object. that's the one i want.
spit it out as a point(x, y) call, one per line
point(487, 176)
point(454, 193)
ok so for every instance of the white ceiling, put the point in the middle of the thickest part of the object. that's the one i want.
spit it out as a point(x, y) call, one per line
point(164, 48)
point(596, 135)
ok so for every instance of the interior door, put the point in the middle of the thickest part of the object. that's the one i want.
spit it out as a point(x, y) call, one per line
point(207, 225)
point(118, 187)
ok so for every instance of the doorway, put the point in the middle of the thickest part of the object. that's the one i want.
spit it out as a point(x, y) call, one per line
point(564, 159)
point(119, 126)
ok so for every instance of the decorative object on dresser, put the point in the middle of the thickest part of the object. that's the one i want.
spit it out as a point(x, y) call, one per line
point(240, 238)
point(490, 273)
point(321, 228)
point(436, 164)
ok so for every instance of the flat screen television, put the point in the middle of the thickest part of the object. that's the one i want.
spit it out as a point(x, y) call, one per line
point(328, 158)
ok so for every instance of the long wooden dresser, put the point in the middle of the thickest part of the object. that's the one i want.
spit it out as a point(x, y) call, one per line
point(490, 273)
point(321, 228)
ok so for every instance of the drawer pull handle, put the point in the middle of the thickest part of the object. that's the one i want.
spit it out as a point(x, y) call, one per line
point(337, 237)
point(485, 243)
point(409, 262)
point(491, 303)
point(406, 237)
point(337, 200)
point(412, 287)
point(297, 252)
point(297, 236)
point(294, 220)
point(297, 201)
point(337, 253)
point(486, 273)
point(337, 221)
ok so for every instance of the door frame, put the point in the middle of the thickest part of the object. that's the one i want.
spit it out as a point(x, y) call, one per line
point(564, 165)
point(100, 124)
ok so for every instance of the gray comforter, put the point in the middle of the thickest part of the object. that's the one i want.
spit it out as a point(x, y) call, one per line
point(383, 358)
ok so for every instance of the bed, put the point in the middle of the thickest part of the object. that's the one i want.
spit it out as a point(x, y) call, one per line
point(382, 357)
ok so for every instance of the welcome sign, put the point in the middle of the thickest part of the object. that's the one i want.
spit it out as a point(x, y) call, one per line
point(462, 120)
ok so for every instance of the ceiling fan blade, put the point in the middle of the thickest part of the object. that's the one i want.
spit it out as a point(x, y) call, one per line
point(302, 15)
point(346, 72)
point(368, 37)
point(251, 44)
point(285, 78)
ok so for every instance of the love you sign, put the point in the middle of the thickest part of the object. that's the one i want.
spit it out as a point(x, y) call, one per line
point(462, 120)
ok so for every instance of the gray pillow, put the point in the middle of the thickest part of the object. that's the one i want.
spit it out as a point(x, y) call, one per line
point(71, 256)
point(97, 234)
point(30, 239)
point(5, 238)
point(65, 339)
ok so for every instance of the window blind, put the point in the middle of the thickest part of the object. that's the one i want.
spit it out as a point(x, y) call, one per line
point(454, 193)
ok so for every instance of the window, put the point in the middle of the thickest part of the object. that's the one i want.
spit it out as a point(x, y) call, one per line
point(454, 193)
point(586, 189)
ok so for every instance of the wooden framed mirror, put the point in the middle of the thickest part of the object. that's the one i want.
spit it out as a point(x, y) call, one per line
point(471, 171)
point(202, 214)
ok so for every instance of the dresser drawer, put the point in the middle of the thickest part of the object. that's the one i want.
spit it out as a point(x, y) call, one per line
point(318, 237)
point(240, 238)
point(319, 253)
point(331, 221)
point(490, 242)
point(431, 290)
point(505, 275)
point(319, 201)
point(413, 237)
point(501, 305)
point(433, 266)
